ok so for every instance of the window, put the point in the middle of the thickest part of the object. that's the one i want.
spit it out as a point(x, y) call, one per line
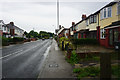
point(90, 20)
point(4, 28)
point(101, 14)
point(109, 12)
point(105, 13)
point(95, 19)
point(102, 34)
point(87, 22)
point(118, 9)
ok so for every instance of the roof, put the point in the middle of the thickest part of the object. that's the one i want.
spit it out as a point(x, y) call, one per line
point(60, 30)
point(1, 21)
point(13, 26)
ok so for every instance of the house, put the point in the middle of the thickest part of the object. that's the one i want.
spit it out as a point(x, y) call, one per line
point(66, 32)
point(19, 32)
point(72, 30)
point(4, 30)
point(14, 30)
point(1, 30)
point(92, 22)
point(60, 32)
point(80, 28)
point(108, 30)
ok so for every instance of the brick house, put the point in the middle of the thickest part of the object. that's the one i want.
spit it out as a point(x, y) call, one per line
point(108, 30)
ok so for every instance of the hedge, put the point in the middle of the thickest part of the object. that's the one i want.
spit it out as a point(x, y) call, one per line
point(5, 41)
point(84, 41)
point(18, 39)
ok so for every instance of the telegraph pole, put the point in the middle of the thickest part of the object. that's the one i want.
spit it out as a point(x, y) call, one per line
point(57, 13)
point(58, 19)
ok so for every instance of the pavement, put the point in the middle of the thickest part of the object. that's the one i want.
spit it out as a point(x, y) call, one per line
point(24, 60)
point(55, 65)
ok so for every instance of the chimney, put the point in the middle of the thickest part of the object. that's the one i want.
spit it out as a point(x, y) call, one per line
point(12, 23)
point(59, 26)
point(83, 16)
point(73, 23)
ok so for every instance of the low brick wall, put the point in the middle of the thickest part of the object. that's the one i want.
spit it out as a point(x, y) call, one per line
point(89, 54)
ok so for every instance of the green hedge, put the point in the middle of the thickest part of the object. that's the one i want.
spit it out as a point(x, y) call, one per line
point(10, 40)
point(5, 41)
point(18, 39)
point(84, 41)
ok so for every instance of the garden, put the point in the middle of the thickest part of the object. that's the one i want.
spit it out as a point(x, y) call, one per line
point(85, 57)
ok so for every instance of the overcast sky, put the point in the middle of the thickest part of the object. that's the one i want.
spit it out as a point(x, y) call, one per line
point(42, 14)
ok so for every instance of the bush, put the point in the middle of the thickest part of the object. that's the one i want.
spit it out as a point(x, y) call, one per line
point(116, 70)
point(88, 71)
point(5, 41)
point(74, 58)
point(84, 41)
point(18, 39)
point(10, 39)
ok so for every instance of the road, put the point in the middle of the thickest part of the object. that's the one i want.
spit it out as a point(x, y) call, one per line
point(24, 60)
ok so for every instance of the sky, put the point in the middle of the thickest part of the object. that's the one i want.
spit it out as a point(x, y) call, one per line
point(41, 15)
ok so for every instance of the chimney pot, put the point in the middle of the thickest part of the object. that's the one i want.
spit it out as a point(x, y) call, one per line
point(73, 23)
point(83, 16)
point(12, 23)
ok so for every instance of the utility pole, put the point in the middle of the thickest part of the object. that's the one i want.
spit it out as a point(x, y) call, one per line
point(57, 13)
point(58, 20)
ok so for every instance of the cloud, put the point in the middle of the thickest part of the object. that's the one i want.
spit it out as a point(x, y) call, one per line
point(42, 15)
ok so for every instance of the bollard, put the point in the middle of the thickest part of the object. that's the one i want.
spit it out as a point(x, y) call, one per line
point(105, 66)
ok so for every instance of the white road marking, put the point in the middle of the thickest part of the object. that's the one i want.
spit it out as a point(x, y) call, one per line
point(11, 54)
point(20, 51)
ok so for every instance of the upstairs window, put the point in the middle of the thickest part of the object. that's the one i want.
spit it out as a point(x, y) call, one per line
point(87, 22)
point(92, 19)
point(95, 18)
point(118, 9)
point(101, 14)
point(106, 13)
point(109, 12)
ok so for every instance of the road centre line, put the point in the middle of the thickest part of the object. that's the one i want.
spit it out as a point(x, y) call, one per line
point(11, 54)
